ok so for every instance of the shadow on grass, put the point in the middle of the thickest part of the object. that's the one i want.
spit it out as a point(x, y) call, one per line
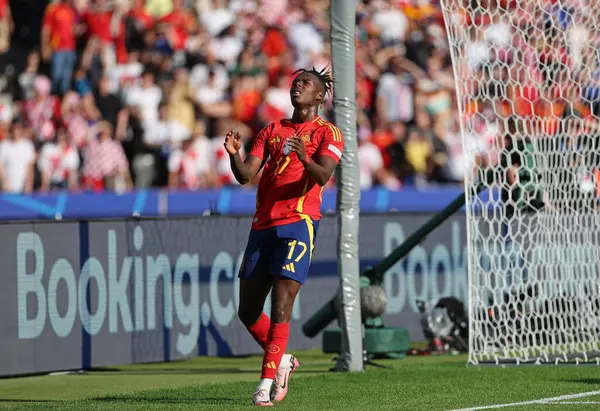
point(141, 400)
point(591, 381)
point(173, 371)
point(171, 400)
point(186, 371)
point(24, 400)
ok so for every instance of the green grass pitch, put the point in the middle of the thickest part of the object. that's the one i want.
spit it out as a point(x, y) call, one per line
point(414, 383)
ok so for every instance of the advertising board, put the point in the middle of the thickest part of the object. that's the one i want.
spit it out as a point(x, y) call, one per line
point(81, 294)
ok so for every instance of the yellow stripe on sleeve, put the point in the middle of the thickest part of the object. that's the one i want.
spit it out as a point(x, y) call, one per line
point(337, 134)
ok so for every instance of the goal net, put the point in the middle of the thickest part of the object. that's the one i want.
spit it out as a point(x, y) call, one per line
point(528, 88)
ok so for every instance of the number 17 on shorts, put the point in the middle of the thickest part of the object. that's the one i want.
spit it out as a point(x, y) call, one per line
point(297, 251)
point(283, 250)
point(299, 239)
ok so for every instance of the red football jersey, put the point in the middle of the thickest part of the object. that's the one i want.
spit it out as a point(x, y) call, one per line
point(61, 19)
point(286, 192)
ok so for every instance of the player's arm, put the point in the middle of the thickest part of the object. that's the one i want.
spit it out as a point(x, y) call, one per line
point(45, 40)
point(320, 168)
point(322, 164)
point(245, 170)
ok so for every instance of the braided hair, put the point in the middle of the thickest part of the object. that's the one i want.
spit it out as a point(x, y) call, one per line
point(324, 76)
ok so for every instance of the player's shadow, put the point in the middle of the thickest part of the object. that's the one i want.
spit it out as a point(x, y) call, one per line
point(173, 371)
point(141, 400)
point(186, 371)
point(172, 400)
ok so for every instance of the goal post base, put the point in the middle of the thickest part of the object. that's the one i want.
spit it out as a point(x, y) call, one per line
point(377, 341)
point(576, 359)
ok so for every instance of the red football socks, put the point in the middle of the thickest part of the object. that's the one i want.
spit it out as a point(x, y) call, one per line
point(273, 338)
point(277, 340)
point(260, 330)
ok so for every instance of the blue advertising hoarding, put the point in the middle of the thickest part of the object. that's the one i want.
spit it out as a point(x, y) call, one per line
point(166, 289)
point(228, 201)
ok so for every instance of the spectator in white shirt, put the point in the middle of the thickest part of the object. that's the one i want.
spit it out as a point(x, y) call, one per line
point(211, 92)
point(306, 40)
point(124, 75)
point(150, 161)
point(277, 103)
point(200, 74)
point(212, 98)
point(395, 97)
point(227, 46)
point(217, 19)
point(392, 24)
point(190, 167)
point(159, 135)
point(147, 96)
point(372, 169)
point(477, 51)
point(27, 77)
point(498, 33)
point(17, 161)
point(166, 131)
point(221, 162)
point(58, 163)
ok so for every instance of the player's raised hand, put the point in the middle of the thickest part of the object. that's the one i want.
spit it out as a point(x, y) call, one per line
point(297, 146)
point(233, 142)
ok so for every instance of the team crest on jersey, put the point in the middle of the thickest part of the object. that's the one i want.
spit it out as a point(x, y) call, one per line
point(307, 138)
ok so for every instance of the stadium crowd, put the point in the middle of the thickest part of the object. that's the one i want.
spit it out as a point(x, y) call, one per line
point(122, 94)
point(139, 93)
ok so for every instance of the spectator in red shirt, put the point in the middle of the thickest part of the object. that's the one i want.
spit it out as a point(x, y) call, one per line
point(106, 43)
point(179, 24)
point(97, 18)
point(58, 43)
point(143, 19)
point(246, 99)
point(274, 46)
point(138, 22)
point(119, 33)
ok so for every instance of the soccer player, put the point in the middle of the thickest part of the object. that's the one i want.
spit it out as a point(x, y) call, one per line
point(299, 156)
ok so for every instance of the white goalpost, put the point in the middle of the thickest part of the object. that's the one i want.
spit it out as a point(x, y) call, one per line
point(528, 89)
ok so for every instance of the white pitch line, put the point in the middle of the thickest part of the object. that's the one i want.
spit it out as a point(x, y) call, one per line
point(575, 402)
point(540, 401)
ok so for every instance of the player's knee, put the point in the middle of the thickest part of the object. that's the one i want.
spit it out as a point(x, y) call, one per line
point(282, 300)
point(281, 313)
point(244, 318)
point(248, 317)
